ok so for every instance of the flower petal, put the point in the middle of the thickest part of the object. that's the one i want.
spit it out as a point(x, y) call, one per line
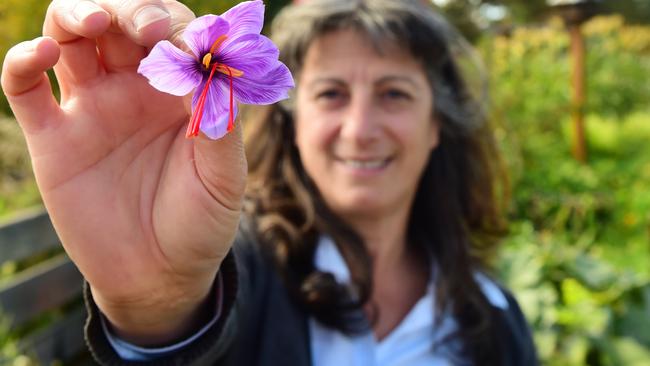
point(216, 109)
point(244, 18)
point(253, 54)
point(170, 70)
point(216, 126)
point(272, 87)
point(203, 31)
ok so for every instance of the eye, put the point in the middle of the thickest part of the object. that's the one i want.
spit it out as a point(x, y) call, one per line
point(329, 94)
point(396, 94)
point(331, 97)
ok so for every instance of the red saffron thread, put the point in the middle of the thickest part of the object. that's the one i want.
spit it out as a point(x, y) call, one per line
point(231, 123)
point(197, 115)
point(195, 122)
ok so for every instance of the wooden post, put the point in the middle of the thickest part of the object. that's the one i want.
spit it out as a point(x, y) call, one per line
point(578, 95)
point(575, 13)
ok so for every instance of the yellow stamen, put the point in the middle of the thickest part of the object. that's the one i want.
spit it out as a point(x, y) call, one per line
point(206, 60)
point(230, 71)
point(218, 43)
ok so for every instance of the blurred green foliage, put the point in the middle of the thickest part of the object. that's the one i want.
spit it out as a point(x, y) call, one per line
point(20, 20)
point(473, 16)
point(201, 7)
point(10, 353)
point(17, 188)
point(578, 257)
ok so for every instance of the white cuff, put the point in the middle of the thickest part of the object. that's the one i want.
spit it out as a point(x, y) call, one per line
point(131, 352)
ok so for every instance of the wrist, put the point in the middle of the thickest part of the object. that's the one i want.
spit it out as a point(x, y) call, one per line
point(160, 320)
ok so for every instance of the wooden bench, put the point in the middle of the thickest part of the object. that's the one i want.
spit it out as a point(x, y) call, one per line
point(43, 301)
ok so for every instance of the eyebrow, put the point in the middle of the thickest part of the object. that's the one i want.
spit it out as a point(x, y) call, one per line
point(385, 79)
point(325, 79)
point(403, 78)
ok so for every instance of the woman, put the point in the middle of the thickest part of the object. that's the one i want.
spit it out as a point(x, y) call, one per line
point(373, 199)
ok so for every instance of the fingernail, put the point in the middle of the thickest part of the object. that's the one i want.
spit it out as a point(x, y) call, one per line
point(30, 46)
point(84, 9)
point(148, 15)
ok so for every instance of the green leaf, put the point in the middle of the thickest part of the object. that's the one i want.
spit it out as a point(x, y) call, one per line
point(592, 273)
point(627, 352)
point(634, 319)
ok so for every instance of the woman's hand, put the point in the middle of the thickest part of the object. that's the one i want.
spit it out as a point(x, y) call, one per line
point(146, 214)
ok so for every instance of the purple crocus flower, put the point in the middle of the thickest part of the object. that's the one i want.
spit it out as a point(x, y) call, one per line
point(231, 61)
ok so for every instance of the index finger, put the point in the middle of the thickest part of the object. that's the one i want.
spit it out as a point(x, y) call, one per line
point(145, 22)
point(69, 20)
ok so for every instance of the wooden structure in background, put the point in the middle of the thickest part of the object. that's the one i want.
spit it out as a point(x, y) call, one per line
point(574, 13)
point(49, 289)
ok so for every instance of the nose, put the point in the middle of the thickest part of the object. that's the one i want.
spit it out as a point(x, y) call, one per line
point(360, 124)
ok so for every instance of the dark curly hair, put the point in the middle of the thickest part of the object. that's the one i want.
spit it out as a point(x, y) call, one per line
point(457, 215)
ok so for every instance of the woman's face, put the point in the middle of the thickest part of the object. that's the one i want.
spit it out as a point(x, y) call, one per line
point(364, 124)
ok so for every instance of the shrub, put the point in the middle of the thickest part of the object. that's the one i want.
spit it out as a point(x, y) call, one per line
point(578, 254)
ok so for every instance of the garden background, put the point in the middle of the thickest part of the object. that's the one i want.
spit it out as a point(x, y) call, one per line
point(578, 253)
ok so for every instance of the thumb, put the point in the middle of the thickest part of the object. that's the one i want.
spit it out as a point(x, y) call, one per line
point(26, 84)
point(221, 166)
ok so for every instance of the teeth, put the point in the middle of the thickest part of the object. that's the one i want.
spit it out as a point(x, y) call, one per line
point(368, 164)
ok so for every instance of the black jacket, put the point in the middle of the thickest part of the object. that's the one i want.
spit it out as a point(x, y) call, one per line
point(266, 328)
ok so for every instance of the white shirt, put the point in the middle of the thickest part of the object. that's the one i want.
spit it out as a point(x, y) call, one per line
point(410, 343)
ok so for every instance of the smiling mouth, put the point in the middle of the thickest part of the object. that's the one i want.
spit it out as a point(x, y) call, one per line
point(365, 164)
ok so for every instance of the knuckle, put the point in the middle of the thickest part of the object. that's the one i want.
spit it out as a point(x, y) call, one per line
point(56, 15)
point(181, 16)
point(176, 33)
point(129, 7)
